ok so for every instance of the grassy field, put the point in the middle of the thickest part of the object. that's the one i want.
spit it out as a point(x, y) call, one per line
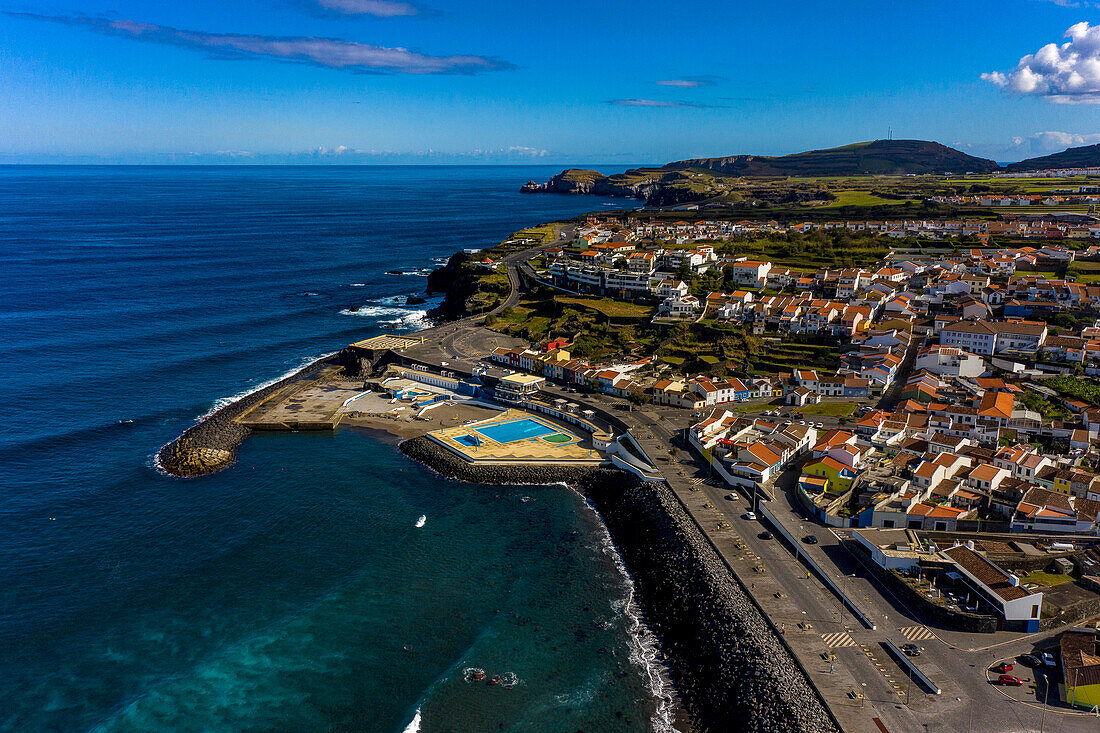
point(1048, 580)
point(860, 198)
point(609, 307)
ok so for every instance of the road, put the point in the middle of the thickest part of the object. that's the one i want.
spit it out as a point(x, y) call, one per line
point(865, 687)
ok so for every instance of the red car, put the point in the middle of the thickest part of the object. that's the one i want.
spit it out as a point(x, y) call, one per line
point(1004, 667)
point(1009, 680)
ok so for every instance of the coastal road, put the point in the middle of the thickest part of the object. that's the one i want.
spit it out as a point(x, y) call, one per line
point(967, 702)
point(813, 620)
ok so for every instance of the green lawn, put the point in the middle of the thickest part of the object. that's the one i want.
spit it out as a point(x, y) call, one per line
point(1046, 579)
point(832, 409)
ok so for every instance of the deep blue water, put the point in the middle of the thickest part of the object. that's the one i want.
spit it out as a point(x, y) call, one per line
point(292, 591)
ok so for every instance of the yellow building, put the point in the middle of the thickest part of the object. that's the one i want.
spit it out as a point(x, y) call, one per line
point(838, 475)
point(1081, 667)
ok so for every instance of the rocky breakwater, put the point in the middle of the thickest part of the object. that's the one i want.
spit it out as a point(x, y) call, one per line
point(728, 664)
point(211, 444)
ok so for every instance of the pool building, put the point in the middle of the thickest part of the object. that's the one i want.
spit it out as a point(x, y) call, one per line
point(517, 436)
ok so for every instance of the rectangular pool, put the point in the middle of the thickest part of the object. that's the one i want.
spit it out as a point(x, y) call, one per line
point(509, 432)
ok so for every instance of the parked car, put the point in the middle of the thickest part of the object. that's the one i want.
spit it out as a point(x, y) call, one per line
point(1009, 680)
point(1004, 668)
point(731, 497)
point(810, 539)
point(1048, 659)
point(765, 535)
point(751, 516)
point(911, 650)
point(819, 424)
point(1030, 660)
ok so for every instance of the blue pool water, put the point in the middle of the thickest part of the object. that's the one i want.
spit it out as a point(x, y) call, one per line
point(470, 441)
point(509, 432)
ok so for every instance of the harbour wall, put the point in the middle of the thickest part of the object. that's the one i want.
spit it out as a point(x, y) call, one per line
point(211, 444)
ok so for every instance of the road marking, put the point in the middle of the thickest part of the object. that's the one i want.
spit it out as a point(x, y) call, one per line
point(917, 633)
point(838, 640)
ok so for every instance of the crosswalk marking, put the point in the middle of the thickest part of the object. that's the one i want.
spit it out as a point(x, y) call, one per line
point(917, 633)
point(838, 640)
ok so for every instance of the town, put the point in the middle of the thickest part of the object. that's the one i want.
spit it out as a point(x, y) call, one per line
point(891, 444)
point(949, 452)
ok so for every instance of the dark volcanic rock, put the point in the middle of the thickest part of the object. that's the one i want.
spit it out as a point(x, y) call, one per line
point(729, 665)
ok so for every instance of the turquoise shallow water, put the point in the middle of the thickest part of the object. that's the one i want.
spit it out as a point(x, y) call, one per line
point(293, 591)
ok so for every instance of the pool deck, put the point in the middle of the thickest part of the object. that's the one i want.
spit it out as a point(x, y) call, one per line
point(530, 450)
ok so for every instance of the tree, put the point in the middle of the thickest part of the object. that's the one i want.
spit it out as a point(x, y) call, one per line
point(685, 272)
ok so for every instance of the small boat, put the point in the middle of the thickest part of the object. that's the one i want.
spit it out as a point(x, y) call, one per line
point(420, 522)
point(496, 680)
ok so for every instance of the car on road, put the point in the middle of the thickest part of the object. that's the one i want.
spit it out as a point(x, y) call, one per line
point(1004, 667)
point(731, 497)
point(765, 535)
point(751, 516)
point(1010, 681)
point(911, 650)
point(1030, 660)
point(1048, 659)
point(810, 539)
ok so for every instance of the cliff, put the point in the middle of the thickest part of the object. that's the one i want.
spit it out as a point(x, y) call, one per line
point(703, 179)
point(654, 186)
point(467, 288)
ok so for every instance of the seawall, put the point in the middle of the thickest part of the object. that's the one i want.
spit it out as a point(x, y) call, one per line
point(730, 668)
point(211, 444)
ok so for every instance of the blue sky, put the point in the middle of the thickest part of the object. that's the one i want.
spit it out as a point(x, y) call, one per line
point(440, 81)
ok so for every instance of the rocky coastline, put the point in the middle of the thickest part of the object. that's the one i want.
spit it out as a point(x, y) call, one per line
point(211, 444)
point(727, 663)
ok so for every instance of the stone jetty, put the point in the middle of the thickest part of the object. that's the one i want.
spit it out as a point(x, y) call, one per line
point(211, 444)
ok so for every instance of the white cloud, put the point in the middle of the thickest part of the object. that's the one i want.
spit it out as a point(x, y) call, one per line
point(657, 103)
point(328, 52)
point(527, 151)
point(1074, 3)
point(1055, 142)
point(1066, 74)
point(379, 8)
point(692, 82)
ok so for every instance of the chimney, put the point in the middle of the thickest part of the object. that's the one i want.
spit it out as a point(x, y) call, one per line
point(970, 544)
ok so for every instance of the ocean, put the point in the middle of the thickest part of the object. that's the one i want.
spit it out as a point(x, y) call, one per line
point(293, 591)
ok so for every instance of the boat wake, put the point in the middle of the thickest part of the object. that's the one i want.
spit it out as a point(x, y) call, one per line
point(421, 522)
